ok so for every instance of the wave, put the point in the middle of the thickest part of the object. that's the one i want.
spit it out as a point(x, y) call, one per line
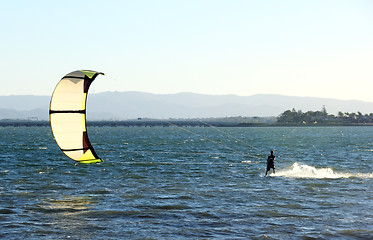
point(304, 171)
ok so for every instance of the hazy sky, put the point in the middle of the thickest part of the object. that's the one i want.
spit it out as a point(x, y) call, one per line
point(301, 48)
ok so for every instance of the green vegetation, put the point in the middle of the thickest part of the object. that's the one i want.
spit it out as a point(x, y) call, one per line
point(294, 117)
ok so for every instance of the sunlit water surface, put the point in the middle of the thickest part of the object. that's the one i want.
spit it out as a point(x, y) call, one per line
point(195, 183)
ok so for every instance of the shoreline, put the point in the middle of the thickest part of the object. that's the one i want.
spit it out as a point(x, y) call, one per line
point(171, 123)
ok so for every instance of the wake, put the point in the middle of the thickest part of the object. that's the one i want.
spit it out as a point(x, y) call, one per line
point(304, 171)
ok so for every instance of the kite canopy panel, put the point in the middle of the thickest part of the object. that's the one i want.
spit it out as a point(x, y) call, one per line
point(67, 114)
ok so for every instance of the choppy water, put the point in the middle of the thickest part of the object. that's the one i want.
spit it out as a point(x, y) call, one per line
point(197, 183)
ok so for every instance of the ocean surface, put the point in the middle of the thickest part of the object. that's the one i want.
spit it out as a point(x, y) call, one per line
point(189, 183)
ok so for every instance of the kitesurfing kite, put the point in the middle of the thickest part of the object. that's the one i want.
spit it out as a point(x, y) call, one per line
point(67, 114)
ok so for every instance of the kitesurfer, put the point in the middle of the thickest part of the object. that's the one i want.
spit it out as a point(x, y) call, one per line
point(271, 162)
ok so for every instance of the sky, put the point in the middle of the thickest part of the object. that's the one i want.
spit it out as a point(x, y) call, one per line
point(319, 48)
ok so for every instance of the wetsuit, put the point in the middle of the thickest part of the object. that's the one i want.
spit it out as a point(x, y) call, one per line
point(271, 162)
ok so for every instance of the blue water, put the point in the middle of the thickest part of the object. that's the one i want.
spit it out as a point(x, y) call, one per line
point(189, 183)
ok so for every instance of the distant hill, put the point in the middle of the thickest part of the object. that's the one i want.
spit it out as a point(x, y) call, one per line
point(131, 105)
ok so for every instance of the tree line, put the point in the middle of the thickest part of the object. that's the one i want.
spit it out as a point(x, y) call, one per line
point(323, 118)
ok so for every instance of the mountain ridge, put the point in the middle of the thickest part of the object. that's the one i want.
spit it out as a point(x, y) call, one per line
point(114, 105)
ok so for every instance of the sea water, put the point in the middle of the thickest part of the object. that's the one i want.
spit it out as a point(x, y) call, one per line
point(189, 183)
